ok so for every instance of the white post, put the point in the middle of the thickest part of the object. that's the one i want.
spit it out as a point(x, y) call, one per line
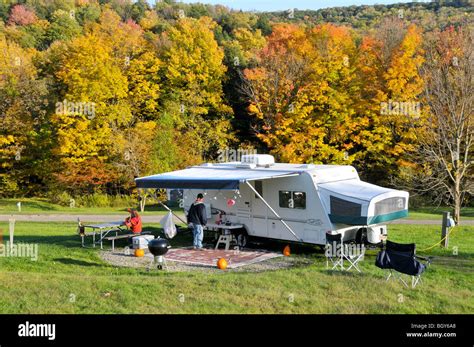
point(18, 204)
point(273, 211)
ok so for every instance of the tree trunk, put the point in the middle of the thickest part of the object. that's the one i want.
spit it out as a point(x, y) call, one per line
point(457, 201)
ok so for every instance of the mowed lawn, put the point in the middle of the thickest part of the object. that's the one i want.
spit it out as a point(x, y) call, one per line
point(43, 206)
point(69, 279)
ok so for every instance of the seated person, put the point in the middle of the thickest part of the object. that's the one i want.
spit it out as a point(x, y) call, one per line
point(134, 222)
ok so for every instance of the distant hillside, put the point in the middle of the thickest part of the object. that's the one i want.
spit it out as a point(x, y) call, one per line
point(431, 15)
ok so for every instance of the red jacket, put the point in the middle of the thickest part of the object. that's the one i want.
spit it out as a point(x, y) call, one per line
point(135, 223)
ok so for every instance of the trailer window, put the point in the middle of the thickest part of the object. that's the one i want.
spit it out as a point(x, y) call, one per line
point(284, 198)
point(288, 199)
point(390, 205)
point(299, 199)
point(343, 207)
point(259, 188)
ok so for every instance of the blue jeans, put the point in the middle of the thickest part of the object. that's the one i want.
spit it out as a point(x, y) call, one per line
point(198, 233)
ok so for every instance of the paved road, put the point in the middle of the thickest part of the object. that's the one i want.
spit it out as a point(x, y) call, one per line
point(157, 218)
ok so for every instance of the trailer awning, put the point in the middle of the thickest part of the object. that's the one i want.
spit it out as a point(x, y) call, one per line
point(208, 178)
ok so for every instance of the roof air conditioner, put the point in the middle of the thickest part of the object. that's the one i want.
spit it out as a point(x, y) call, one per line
point(258, 159)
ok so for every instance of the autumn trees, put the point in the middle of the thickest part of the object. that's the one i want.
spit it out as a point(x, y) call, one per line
point(391, 86)
point(154, 110)
point(117, 104)
point(446, 136)
point(94, 93)
point(318, 97)
point(395, 107)
point(24, 132)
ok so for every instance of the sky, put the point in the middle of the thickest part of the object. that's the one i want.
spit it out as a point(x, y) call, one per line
point(281, 5)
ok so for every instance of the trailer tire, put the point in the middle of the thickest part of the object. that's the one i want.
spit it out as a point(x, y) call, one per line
point(361, 236)
point(242, 238)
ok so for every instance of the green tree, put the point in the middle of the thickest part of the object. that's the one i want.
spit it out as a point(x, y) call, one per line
point(193, 73)
point(63, 26)
point(23, 134)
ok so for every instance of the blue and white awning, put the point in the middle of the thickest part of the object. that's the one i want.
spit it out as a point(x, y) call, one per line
point(208, 178)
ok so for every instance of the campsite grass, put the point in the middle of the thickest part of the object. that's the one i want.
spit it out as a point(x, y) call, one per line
point(69, 279)
point(426, 213)
point(43, 206)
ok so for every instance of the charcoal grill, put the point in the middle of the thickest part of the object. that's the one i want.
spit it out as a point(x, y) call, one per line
point(159, 247)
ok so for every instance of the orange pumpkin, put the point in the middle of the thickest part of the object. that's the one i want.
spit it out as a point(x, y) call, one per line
point(286, 251)
point(139, 252)
point(222, 264)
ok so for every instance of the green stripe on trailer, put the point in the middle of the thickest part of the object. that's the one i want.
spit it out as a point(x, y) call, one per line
point(387, 217)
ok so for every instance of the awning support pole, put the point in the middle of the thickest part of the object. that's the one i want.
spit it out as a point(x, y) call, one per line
point(143, 199)
point(273, 211)
point(166, 207)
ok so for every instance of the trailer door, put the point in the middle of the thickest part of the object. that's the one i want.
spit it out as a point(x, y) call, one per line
point(259, 211)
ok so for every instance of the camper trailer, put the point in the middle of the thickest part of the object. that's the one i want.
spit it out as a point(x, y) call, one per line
point(292, 202)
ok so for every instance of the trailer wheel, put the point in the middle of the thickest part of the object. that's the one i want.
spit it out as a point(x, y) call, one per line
point(242, 239)
point(361, 236)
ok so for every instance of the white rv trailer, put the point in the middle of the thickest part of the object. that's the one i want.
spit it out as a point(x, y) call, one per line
point(293, 202)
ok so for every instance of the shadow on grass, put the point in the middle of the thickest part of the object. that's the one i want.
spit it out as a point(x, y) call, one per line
point(347, 273)
point(455, 263)
point(158, 207)
point(38, 205)
point(70, 261)
point(73, 239)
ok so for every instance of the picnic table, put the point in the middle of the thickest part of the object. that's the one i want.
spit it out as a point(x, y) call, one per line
point(102, 229)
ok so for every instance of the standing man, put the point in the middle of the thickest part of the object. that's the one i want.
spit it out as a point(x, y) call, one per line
point(197, 218)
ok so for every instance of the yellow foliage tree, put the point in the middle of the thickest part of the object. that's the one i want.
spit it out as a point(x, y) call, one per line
point(193, 75)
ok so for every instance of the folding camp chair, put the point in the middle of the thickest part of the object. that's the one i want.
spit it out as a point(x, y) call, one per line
point(331, 253)
point(402, 259)
point(337, 252)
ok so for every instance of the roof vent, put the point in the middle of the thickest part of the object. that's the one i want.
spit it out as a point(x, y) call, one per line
point(246, 166)
point(308, 166)
point(258, 159)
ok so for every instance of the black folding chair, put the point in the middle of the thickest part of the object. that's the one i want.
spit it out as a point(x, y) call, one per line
point(402, 259)
point(337, 252)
